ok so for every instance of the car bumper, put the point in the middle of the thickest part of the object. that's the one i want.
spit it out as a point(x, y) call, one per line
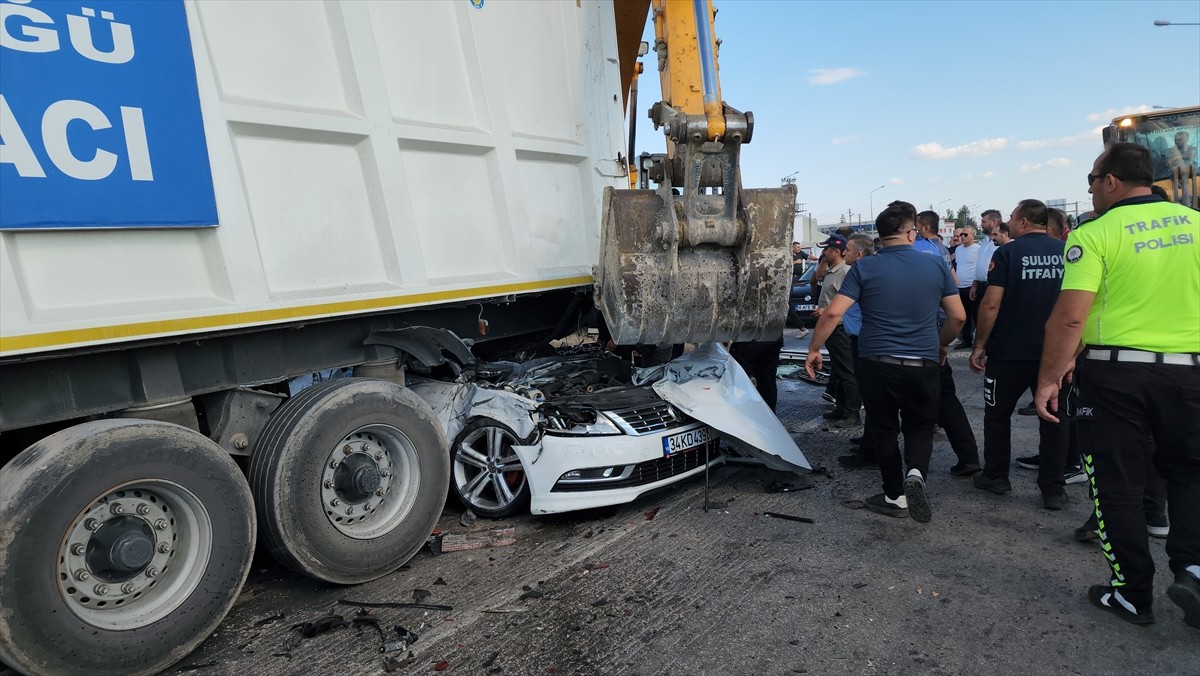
point(635, 465)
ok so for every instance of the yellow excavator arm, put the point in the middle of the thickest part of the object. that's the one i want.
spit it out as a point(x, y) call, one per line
point(699, 258)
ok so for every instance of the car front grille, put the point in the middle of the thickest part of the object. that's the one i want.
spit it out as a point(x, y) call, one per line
point(650, 471)
point(639, 420)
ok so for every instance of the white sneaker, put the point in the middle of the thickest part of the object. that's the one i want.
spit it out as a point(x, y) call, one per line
point(1075, 475)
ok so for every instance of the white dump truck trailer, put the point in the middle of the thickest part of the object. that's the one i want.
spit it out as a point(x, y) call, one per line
point(204, 203)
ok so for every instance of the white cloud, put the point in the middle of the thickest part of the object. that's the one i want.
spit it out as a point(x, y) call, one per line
point(828, 76)
point(990, 174)
point(1117, 112)
point(843, 140)
point(896, 181)
point(1061, 141)
point(1056, 163)
point(936, 151)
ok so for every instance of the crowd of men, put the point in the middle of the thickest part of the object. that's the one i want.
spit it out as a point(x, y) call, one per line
point(1101, 323)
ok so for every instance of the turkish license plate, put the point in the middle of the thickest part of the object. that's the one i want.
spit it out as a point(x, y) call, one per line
point(802, 307)
point(684, 441)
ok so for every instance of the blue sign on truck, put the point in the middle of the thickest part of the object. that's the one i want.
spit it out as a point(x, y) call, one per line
point(100, 122)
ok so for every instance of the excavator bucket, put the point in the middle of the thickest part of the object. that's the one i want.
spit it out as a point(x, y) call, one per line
point(708, 268)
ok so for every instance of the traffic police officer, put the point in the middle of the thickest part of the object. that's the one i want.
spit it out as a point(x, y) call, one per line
point(1131, 292)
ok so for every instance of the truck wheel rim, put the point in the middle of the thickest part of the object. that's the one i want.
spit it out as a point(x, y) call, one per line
point(370, 481)
point(487, 472)
point(135, 554)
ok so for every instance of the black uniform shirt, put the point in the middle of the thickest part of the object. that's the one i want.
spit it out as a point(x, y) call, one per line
point(1030, 269)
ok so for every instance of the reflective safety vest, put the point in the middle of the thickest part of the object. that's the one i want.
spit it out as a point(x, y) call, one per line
point(1142, 260)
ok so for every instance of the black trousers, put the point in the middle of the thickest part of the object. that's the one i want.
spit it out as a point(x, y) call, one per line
point(761, 362)
point(842, 370)
point(972, 307)
point(953, 419)
point(899, 399)
point(1003, 384)
point(1120, 406)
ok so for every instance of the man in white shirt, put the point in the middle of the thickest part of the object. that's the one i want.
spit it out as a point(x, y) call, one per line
point(966, 258)
point(990, 220)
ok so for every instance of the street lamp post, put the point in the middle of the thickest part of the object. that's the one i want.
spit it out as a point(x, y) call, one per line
point(788, 179)
point(871, 199)
point(1164, 22)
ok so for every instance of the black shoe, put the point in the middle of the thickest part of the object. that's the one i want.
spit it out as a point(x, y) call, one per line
point(1027, 410)
point(856, 440)
point(835, 414)
point(828, 397)
point(1054, 501)
point(856, 461)
point(918, 502)
point(1186, 594)
point(882, 504)
point(1108, 598)
point(999, 486)
point(847, 421)
point(1157, 525)
point(1029, 462)
point(965, 469)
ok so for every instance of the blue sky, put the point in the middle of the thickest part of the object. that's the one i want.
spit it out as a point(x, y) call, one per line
point(975, 102)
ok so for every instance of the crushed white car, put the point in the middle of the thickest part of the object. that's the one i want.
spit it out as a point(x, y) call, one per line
point(579, 431)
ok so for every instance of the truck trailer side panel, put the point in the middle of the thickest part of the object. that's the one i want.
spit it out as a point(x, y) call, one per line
point(372, 156)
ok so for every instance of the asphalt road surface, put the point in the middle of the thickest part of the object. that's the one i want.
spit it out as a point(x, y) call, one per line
point(994, 585)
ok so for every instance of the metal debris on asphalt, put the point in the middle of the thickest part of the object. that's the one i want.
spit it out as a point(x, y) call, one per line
point(439, 581)
point(419, 595)
point(364, 619)
point(404, 639)
point(531, 594)
point(789, 517)
point(468, 518)
point(600, 602)
point(371, 604)
point(320, 625)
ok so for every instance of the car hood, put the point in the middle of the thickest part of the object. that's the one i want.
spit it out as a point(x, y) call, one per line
point(707, 384)
point(710, 386)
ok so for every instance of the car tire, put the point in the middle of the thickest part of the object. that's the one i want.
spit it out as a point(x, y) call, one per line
point(486, 475)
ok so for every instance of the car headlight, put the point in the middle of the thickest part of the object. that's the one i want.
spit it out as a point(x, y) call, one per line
point(598, 425)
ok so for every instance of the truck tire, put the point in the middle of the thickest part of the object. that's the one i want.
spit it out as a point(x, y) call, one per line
point(349, 479)
point(123, 544)
point(486, 475)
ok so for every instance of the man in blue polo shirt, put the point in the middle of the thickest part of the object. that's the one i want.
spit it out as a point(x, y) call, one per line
point(900, 349)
